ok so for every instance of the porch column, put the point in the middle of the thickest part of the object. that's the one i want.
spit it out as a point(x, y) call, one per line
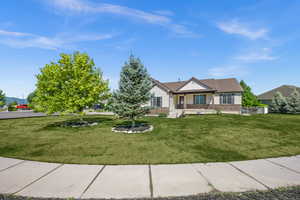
point(213, 101)
point(171, 103)
point(185, 99)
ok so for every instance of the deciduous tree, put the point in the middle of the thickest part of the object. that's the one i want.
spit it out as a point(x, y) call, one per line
point(70, 85)
point(2, 98)
point(249, 99)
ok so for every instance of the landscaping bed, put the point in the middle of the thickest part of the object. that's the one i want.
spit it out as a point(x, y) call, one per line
point(205, 138)
point(127, 128)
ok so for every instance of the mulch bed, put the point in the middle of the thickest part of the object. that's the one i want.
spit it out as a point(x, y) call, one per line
point(76, 124)
point(139, 128)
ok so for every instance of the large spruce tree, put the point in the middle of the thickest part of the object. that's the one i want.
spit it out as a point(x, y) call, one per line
point(134, 91)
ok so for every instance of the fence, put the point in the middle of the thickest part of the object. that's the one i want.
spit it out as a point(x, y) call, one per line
point(255, 110)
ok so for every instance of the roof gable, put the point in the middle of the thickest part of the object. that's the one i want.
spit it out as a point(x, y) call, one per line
point(160, 85)
point(193, 84)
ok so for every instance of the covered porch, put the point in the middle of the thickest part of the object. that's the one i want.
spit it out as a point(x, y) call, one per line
point(194, 100)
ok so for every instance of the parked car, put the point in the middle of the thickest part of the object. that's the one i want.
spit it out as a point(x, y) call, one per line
point(22, 107)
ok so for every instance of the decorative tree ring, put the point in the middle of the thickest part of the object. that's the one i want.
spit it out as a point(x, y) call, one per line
point(131, 130)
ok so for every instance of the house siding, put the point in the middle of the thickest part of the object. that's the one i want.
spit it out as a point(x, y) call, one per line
point(158, 92)
point(192, 86)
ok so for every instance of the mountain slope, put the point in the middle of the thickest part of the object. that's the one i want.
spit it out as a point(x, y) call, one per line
point(12, 99)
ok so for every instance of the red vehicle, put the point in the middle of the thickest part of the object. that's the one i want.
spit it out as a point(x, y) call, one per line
point(22, 107)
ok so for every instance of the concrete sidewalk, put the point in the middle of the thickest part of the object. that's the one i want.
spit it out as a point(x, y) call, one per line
point(40, 179)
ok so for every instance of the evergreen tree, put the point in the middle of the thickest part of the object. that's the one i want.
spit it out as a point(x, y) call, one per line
point(69, 85)
point(2, 98)
point(279, 103)
point(134, 91)
point(293, 102)
point(249, 99)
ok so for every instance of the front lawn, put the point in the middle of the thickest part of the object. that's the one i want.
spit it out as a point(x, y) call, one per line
point(206, 138)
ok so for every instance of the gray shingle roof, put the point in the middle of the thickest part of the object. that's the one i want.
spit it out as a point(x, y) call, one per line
point(219, 85)
point(285, 90)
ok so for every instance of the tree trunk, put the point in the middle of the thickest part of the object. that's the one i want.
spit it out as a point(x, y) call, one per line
point(133, 123)
point(81, 118)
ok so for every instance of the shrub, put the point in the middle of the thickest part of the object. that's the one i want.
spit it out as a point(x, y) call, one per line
point(162, 115)
point(11, 107)
point(262, 105)
point(294, 102)
point(279, 103)
point(218, 112)
point(290, 104)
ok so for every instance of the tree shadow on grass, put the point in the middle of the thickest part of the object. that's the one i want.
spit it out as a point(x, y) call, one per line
point(128, 123)
point(126, 126)
point(217, 154)
point(65, 123)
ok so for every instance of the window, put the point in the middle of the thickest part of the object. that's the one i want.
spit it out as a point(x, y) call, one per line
point(156, 102)
point(199, 99)
point(226, 98)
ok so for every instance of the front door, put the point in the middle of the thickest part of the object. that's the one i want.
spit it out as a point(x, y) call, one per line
point(181, 102)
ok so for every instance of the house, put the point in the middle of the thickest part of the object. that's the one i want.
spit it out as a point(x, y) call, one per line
point(285, 90)
point(196, 96)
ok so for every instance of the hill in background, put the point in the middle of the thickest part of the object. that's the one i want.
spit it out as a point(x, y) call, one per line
point(12, 99)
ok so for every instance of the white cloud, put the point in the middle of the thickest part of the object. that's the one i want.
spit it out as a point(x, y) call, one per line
point(227, 71)
point(259, 55)
point(87, 7)
point(161, 18)
point(181, 30)
point(238, 28)
point(25, 40)
point(164, 12)
point(16, 34)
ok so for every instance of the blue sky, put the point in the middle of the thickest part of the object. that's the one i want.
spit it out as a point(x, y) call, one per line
point(254, 40)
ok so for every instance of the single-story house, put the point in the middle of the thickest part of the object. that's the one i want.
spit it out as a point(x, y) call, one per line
point(196, 96)
point(285, 90)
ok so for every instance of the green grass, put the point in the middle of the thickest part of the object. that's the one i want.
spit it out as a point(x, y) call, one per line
point(206, 138)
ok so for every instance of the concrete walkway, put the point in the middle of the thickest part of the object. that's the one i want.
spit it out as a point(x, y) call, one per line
point(40, 179)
